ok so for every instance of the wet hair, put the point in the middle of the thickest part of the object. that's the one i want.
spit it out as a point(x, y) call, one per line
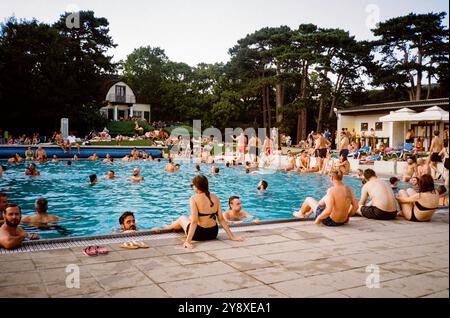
point(227, 164)
point(197, 167)
point(159, 160)
point(124, 215)
point(247, 170)
point(216, 170)
point(264, 184)
point(369, 173)
point(201, 183)
point(393, 180)
point(42, 205)
point(93, 177)
point(436, 132)
point(112, 171)
point(440, 189)
point(3, 195)
point(13, 205)
point(336, 174)
point(426, 183)
point(177, 165)
point(233, 197)
point(69, 163)
point(32, 165)
point(170, 160)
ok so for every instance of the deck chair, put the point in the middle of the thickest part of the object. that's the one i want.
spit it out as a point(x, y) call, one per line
point(407, 150)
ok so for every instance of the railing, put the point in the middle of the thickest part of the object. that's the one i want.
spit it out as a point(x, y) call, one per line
point(128, 99)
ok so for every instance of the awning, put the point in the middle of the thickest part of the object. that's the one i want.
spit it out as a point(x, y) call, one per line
point(434, 113)
point(404, 114)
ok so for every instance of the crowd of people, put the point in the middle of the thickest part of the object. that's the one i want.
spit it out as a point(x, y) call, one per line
point(417, 203)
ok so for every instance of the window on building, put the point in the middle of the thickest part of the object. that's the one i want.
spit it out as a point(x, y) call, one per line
point(121, 114)
point(120, 90)
point(364, 126)
point(137, 114)
point(378, 126)
point(147, 116)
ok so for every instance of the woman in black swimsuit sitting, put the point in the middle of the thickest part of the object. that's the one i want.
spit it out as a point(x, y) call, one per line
point(419, 207)
point(202, 226)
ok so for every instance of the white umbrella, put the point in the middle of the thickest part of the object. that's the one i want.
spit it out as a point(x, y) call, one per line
point(433, 113)
point(404, 114)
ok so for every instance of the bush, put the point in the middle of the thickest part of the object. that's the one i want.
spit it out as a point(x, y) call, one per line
point(126, 127)
point(171, 128)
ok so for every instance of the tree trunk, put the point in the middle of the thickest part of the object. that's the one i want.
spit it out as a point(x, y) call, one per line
point(269, 111)
point(263, 91)
point(302, 112)
point(419, 70)
point(429, 86)
point(279, 95)
point(319, 120)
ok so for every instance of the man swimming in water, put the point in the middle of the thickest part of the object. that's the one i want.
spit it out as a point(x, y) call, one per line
point(42, 216)
point(11, 235)
point(236, 213)
point(136, 176)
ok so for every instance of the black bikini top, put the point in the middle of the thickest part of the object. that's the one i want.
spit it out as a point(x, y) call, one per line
point(421, 207)
point(211, 215)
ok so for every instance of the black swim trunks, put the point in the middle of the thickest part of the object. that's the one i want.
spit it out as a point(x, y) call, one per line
point(447, 164)
point(321, 153)
point(204, 233)
point(372, 212)
point(435, 157)
point(328, 221)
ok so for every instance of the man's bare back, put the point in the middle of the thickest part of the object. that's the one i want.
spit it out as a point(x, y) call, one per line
point(343, 203)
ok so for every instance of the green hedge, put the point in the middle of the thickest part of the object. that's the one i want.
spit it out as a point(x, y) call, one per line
point(127, 127)
point(170, 128)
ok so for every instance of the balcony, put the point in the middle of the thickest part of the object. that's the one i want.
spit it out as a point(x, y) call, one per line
point(127, 99)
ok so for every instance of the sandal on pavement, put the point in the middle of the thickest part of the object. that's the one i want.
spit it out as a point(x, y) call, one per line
point(129, 245)
point(90, 251)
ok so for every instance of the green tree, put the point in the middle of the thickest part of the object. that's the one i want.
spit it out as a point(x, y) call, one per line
point(407, 43)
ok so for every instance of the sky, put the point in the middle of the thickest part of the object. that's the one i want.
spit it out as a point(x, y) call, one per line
point(195, 31)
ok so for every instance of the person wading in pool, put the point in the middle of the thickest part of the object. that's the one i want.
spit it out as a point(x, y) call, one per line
point(127, 222)
point(383, 204)
point(3, 205)
point(41, 217)
point(11, 235)
point(235, 214)
point(337, 205)
point(205, 212)
point(31, 170)
point(136, 176)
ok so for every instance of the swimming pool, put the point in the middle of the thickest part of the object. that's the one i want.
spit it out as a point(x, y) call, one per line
point(160, 199)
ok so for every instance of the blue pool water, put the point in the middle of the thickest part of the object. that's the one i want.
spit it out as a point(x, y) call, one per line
point(160, 199)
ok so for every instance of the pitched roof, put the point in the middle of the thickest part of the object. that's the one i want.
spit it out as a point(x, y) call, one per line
point(387, 107)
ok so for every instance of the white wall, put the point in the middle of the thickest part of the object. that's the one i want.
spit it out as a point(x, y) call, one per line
point(129, 94)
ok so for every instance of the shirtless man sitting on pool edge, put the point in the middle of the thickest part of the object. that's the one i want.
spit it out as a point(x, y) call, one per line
point(336, 207)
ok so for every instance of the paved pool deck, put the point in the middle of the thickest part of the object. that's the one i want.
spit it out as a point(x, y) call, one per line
point(297, 260)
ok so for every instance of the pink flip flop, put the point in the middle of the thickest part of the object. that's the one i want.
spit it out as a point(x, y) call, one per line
point(101, 249)
point(90, 251)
